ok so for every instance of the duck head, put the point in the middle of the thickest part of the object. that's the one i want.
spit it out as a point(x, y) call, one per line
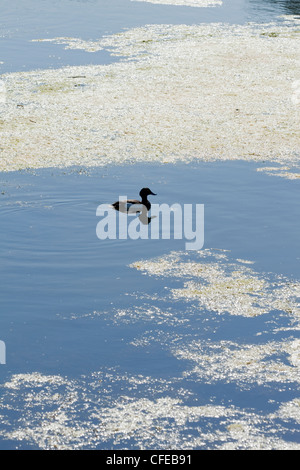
point(146, 192)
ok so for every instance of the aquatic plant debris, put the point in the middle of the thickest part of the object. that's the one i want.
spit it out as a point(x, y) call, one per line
point(177, 93)
point(200, 403)
point(283, 172)
point(187, 3)
point(217, 283)
point(68, 414)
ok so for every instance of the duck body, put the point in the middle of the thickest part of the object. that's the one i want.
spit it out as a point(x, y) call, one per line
point(134, 205)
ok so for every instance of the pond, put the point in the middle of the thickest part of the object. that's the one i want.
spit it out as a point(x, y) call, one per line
point(92, 19)
point(122, 343)
point(75, 307)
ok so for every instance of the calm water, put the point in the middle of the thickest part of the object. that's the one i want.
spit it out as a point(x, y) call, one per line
point(61, 286)
point(91, 19)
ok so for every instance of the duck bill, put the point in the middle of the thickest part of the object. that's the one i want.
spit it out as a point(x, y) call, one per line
point(153, 194)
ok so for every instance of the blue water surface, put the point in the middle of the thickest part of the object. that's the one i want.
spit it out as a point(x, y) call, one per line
point(53, 264)
point(61, 285)
point(21, 22)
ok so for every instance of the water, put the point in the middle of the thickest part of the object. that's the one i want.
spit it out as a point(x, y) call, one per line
point(106, 355)
point(62, 289)
point(90, 20)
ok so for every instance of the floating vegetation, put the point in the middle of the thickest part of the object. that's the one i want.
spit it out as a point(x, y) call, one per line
point(243, 364)
point(74, 43)
point(187, 3)
point(59, 414)
point(283, 172)
point(225, 286)
point(113, 408)
point(221, 286)
point(210, 92)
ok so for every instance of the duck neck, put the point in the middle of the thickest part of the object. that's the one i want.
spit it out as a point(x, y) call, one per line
point(145, 202)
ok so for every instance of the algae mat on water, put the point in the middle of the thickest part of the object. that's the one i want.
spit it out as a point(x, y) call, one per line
point(187, 3)
point(233, 387)
point(177, 93)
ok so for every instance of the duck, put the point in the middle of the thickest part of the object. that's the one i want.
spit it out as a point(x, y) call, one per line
point(133, 204)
